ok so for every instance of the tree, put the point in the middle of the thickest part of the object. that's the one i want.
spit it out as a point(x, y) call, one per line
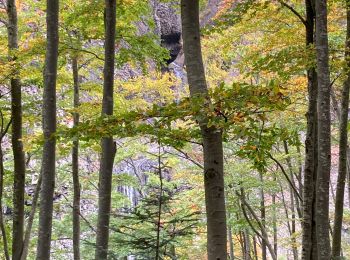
point(211, 136)
point(107, 145)
point(75, 165)
point(49, 129)
point(309, 239)
point(343, 144)
point(17, 145)
point(324, 131)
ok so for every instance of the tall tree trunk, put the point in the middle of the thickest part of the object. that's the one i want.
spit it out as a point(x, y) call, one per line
point(212, 137)
point(107, 145)
point(309, 239)
point(17, 145)
point(75, 166)
point(343, 143)
point(49, 129)
point(324, 140)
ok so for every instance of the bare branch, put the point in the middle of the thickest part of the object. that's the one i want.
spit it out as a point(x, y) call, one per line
point(286, 175)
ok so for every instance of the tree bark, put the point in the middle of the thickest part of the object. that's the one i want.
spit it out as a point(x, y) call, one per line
point(212, 137)
point(17, 145)
point(107, 145)
point(343, 143)
point(75, 166)
point(309, 239)
point(49, 129)
point(324, 140)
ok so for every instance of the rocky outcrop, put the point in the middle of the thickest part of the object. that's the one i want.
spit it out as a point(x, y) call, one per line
point(169, 28)
point(209, 12)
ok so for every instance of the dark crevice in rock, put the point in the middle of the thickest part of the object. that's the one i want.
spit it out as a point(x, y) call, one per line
point(169, 27)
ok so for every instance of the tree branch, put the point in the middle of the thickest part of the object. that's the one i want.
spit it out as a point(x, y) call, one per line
point(286, 175)
point(291, 8)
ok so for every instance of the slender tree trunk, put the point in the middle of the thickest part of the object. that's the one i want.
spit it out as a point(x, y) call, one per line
point(230, 240)
point(263, 235)
point(290, 167)
point(255, 248)
point(241, 242)
point(343, 143)
point(108, 147)
point(274, 219)
point(212, 137)
point(299, 175)
point(160, 205)
point(324, 140)
point(309, 239)
point(75, 166)
point(49, 129)
point(348, 175)
point(262, 216)
point(246, 245)
point(293, 227)
point(2, 173)
point(30, 221)
point(17, 146)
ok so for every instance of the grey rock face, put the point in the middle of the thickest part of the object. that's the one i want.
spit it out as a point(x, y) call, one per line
point(169, 28)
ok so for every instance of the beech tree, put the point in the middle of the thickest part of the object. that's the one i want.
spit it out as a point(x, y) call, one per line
point(75, 164)
point(49, 130)
point(107, 144)
point(324, 132)
point(309, 239)
point(211, 136)
point(343, 147)
point(17, 145)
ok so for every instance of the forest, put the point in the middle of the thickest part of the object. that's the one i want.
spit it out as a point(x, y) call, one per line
point(174, 129)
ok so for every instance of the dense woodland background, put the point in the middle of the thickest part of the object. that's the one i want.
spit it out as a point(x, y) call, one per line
point(211, 129)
